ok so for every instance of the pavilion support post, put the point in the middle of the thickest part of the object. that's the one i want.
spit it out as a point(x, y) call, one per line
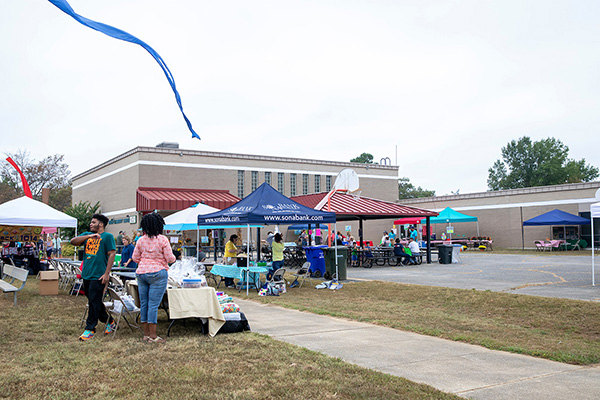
point(428, 238)
point(360, 231)
point(310, 234)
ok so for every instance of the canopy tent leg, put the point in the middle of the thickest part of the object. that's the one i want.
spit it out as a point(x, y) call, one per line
point(593, 266)
point(248, 262)
point(197, 243)
point(477, 228)
point(428, 238)
point(337, 277)
point(257, 244)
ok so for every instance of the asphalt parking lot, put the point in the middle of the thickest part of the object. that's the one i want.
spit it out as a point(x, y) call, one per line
point(538, 275)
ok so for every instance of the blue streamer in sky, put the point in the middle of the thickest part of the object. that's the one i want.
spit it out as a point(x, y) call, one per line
point(122, 35)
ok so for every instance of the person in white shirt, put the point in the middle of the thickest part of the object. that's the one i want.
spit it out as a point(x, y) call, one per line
point(414, 249)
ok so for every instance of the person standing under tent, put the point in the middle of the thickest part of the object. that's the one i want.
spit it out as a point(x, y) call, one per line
point(277, 247)
point(99, 256)
point(49, 247)
point(153, 254)
point(119, 240)
point(231, 252)
point(413, 233)
point(127, 253)
point(57, 246)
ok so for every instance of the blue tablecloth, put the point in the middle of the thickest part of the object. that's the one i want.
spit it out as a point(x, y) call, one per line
point(234, 272)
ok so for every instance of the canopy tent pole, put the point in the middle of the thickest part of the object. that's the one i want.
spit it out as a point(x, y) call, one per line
point(257, 244)
point(477, 228)
point(593, 266)
point(428, 238)
point(522, 230)
point(248, 262)
point(197, 243)
point(337, 277)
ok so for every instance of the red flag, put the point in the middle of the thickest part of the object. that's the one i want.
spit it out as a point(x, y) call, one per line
point(23, 180)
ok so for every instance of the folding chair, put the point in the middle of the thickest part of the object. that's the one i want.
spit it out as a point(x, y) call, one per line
point(303, 273)
point(277, 278)
point(107, 304)
point(123, 312)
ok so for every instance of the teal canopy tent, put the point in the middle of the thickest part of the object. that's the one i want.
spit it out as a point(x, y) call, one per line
point(448, 216)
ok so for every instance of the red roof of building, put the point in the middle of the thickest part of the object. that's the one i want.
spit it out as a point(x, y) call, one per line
point(347, 206)
point(150, 199)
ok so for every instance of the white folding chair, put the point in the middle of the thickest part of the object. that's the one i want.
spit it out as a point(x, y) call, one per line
point(303, 273)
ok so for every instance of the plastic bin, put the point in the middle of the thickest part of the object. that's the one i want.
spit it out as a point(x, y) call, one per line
point(342, 256)
point(445, 253)
point(314, 255)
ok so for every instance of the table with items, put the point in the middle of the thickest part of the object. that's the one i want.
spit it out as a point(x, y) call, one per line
point(201, 302)
point(235, 272)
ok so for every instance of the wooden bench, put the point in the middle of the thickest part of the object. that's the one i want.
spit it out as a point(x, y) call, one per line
point(9, 275)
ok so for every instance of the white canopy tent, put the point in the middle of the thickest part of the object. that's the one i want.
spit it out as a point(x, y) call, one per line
point(28, 212)
point(595, 213)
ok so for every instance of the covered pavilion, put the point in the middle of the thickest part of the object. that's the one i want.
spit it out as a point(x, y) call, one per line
point(349, 207)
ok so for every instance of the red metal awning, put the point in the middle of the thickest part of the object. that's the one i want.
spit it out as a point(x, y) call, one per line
point(346, 206)
point(150, 199)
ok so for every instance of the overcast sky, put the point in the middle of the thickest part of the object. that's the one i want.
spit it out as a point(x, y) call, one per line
point(447, 82)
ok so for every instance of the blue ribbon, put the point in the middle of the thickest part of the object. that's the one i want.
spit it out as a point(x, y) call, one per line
point(122, 35)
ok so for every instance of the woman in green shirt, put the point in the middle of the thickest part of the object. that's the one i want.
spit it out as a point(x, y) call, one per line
point(277, 250)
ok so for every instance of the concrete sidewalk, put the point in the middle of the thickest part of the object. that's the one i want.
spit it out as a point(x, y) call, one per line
point(463, 369)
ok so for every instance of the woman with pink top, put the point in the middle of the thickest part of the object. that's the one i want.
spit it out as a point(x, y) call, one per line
point(152, 254)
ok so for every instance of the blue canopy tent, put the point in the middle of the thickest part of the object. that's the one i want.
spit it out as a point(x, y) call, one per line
point(448, 215)
point(305, 226)
point(266, 206)
point(557, 218)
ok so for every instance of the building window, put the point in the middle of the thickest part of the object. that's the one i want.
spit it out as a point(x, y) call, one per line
point(328, 183)
point(305, 184)
point(254, 181)
point(241, 184)
point(317, 183)
point(292, 185)
point(268, 178)
point(280, 182)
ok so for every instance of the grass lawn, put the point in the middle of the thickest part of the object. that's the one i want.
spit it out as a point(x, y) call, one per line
point(41, 358)
point(558, 329)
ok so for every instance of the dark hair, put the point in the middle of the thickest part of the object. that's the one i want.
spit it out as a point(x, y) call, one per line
point(152, 224)
point(101, 218)
point(277, 237)
point(233, 237)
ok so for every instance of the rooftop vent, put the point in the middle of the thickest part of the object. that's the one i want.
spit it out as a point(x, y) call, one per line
point(168, 145)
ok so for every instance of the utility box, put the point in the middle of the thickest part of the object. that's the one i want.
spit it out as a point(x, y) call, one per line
point(48, 283)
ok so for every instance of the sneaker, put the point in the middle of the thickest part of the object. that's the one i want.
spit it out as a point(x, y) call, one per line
point(86, 335)
point(110, 328)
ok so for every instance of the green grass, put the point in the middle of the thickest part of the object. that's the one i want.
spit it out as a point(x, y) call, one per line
point(557, 329)
point(41, 358)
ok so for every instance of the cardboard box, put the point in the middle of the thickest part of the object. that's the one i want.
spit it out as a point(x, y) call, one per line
point(48, 283)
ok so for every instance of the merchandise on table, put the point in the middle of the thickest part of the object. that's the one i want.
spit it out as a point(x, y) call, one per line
point(230, 308)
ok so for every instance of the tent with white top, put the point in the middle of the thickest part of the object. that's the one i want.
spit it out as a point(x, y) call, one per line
point(25, 211)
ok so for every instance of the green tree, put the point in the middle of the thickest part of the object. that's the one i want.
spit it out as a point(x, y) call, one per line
point(364, 158)
point(83, 211)
point(51, 172)
point(526, 163)
point(407, 190)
